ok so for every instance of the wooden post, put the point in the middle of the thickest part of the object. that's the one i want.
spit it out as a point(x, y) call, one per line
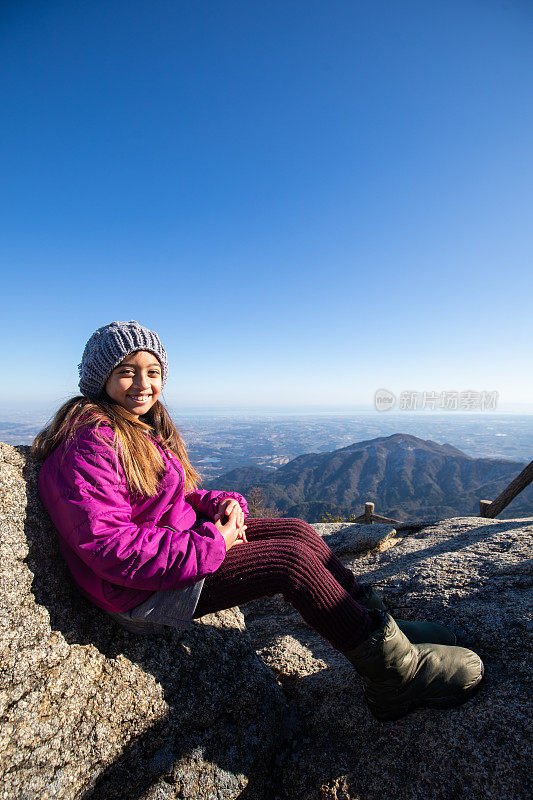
point(369, 513)
point(509, 493)
point(483, 506)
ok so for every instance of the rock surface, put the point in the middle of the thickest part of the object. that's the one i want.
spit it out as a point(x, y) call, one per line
point(469, 573)
point(91, 711)
point(346, 539)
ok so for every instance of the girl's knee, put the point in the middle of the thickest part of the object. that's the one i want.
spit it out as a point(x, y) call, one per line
point(296, 564)
point(301, 529)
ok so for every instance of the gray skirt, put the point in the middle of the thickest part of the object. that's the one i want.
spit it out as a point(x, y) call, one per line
point(174, 608)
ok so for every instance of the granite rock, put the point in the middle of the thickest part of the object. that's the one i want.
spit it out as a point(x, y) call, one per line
point(91, 711)
point(346, 538)
point(471, 574)
point(251, 703)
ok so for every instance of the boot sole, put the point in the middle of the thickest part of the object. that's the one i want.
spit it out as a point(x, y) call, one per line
point(445, 702)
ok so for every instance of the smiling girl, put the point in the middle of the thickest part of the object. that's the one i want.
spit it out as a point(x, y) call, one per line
point(147, 546)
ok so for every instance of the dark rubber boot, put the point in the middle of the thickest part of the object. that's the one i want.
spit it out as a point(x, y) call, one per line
point(416, 632)
point(400, 676)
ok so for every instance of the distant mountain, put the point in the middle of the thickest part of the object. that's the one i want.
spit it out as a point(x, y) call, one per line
point(406, 477)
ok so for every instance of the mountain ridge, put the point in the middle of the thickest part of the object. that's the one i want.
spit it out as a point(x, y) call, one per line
point(403, 475)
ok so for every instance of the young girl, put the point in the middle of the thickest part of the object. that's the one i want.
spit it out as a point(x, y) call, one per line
point(147, 546)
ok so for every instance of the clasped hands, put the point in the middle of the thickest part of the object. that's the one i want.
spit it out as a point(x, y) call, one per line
point(234, 530)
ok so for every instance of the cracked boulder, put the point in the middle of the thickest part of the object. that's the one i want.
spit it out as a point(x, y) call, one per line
point(352, 538)
point(91, 711)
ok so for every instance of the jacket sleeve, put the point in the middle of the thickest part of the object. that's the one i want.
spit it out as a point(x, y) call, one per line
point(207, 503)
point(117, 549)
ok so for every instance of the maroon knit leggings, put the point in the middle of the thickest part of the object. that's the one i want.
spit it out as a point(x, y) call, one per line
point(288, 557)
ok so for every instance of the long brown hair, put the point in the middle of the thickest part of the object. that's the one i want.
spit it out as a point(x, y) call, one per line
point(140, 458)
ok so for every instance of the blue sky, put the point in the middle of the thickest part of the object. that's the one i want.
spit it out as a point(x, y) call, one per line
point(307, 200)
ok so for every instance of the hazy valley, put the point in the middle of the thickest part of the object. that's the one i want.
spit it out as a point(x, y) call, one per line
point(309, 464)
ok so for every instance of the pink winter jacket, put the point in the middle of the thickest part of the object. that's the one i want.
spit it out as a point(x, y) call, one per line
point(120, 547)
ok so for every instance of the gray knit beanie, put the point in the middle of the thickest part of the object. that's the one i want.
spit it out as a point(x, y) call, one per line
point(108, 346)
